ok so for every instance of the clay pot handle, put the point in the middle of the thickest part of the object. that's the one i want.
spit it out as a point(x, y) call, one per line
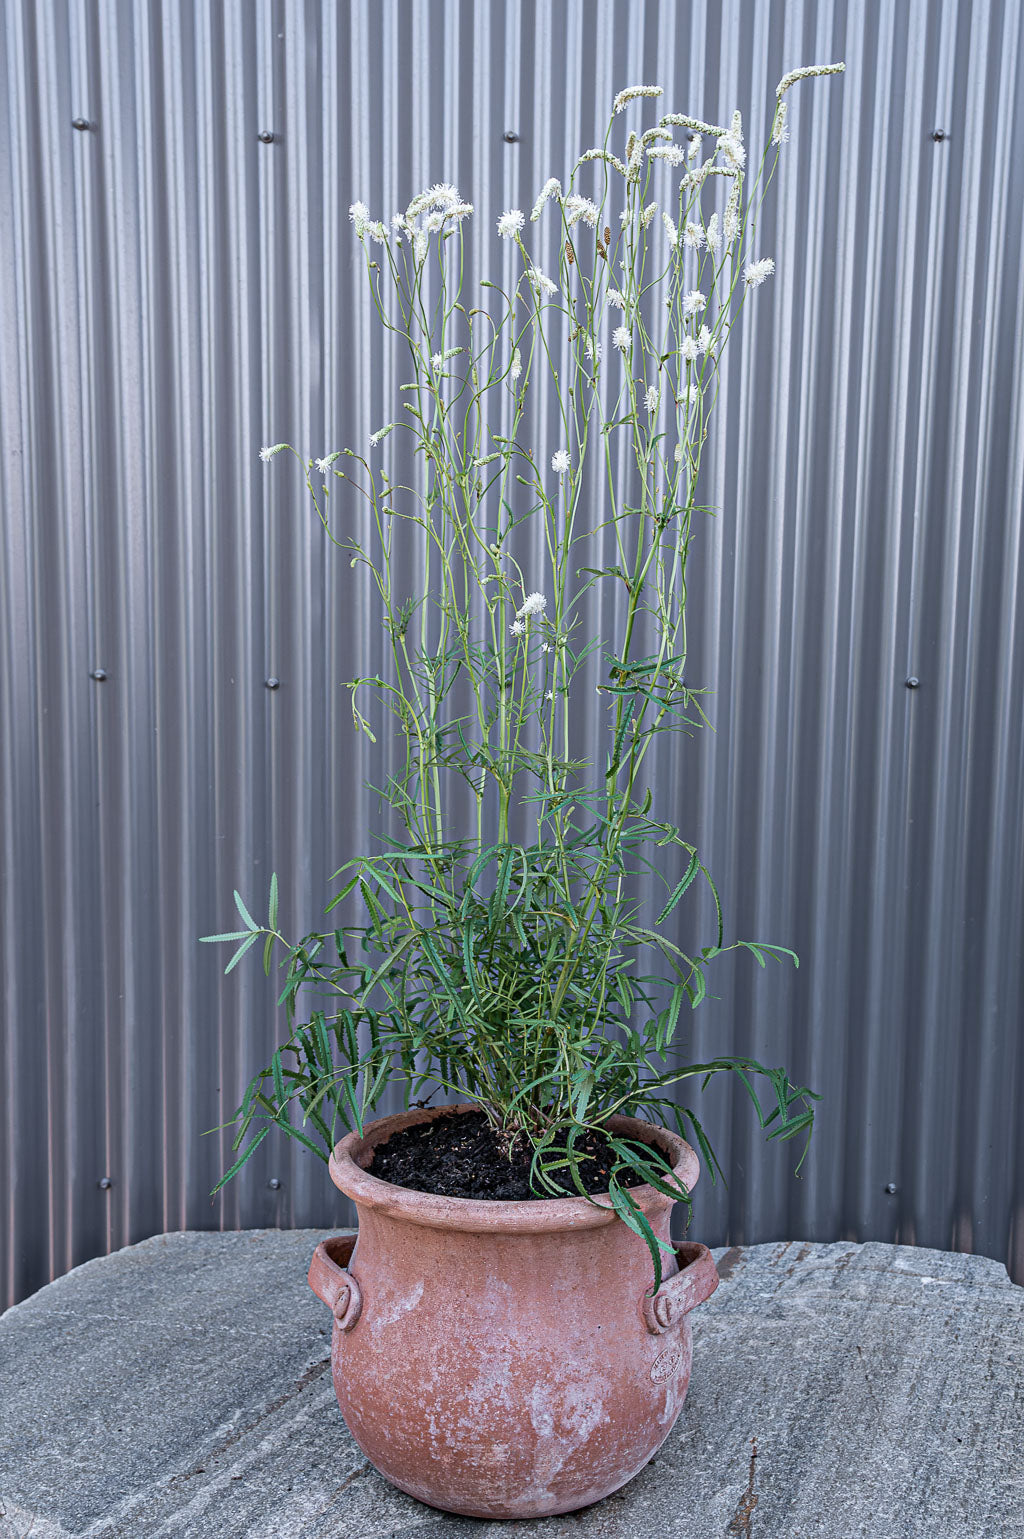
point(331, 1281)
point(695, 1281)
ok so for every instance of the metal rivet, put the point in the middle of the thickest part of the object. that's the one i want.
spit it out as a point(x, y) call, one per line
point(104, 1183)
point(274, 1183)
point(82, 124)
point(913, 682)
point(266, 136)
point(938, 134)
point(891, 1189)
point(510, 136)
point(272, 683)
point(99, 674)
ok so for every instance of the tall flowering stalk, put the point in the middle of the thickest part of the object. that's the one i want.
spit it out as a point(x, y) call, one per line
point(497, 956)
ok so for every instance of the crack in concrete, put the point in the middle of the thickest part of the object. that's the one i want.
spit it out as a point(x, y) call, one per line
point(739, 1527)
point(311, 1374)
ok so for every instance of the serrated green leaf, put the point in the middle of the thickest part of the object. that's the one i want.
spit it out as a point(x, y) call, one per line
point(240, 953)
point(236, 1167)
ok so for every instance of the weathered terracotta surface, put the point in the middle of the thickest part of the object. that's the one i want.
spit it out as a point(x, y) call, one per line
point(502, 1359)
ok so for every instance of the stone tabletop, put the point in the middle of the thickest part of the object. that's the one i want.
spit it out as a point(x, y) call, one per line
point(182, 1388)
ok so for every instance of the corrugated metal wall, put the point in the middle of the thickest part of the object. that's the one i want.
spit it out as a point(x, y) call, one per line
point(176, 292)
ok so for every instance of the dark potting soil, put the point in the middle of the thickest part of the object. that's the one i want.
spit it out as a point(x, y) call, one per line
point(460, 1155)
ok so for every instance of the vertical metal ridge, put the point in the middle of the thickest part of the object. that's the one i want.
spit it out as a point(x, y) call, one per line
point(178, 292)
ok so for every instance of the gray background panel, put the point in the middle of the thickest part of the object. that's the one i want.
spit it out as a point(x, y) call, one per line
point(175, 293)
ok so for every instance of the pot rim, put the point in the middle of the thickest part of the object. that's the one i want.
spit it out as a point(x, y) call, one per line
point(491, 1215)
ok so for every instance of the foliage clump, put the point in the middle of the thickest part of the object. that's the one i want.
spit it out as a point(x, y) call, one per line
point(503, 954)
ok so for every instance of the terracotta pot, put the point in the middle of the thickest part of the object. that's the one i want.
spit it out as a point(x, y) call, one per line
point(505, 1359)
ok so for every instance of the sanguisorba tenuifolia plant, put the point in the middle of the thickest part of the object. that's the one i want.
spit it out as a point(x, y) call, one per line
point(499, 957)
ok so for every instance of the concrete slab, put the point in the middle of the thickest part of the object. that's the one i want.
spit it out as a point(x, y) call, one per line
point(182, 1388)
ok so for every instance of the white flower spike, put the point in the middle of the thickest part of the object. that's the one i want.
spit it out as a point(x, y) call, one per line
point(806, 73)
point(631, 93)
point(552, 188)
point(533, 604)
point(540, 284)
point(510, 223)
point(580, 208)
point(560, 461)
point(755, 273)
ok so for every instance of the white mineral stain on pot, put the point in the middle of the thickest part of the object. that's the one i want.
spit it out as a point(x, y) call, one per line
point(386, 1312)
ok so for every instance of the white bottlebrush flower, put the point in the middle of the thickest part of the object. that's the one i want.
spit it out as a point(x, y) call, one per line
point(360, 217)
point(693, 235)
point(436, 360)
point(693, 302)
point(731, 220)
point(539, 283)
point(670, 231)
point(580, 208)
point(515, 368)
point(510, 223)
point(268, 451)
point(459, 211)
point(634, 158)
point(377, 231)
point(806, 73)
point(713, 236)
point(681, 120)
point(552, 188)
point(755, 273)
point(324, 465)
point(672, 154)
point(420, 245)
point(401, 226)
point(631, 93)
point(560, 461)
point(605, 155)
point(592, 350)
point(442, 195)
point(651, 399)
point(780, 132)
point(380, 435)
point(434, 221)
point(703, 339)
point(694, 147)
point(617, 299)
point(621, 339)
point(518, 627)
point(647, 215)
point(624, 218)
point(533, 604)
point(688, 349)
point(732, 152)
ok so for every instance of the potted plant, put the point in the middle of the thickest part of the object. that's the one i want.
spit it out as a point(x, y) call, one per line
point(511, 1333)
